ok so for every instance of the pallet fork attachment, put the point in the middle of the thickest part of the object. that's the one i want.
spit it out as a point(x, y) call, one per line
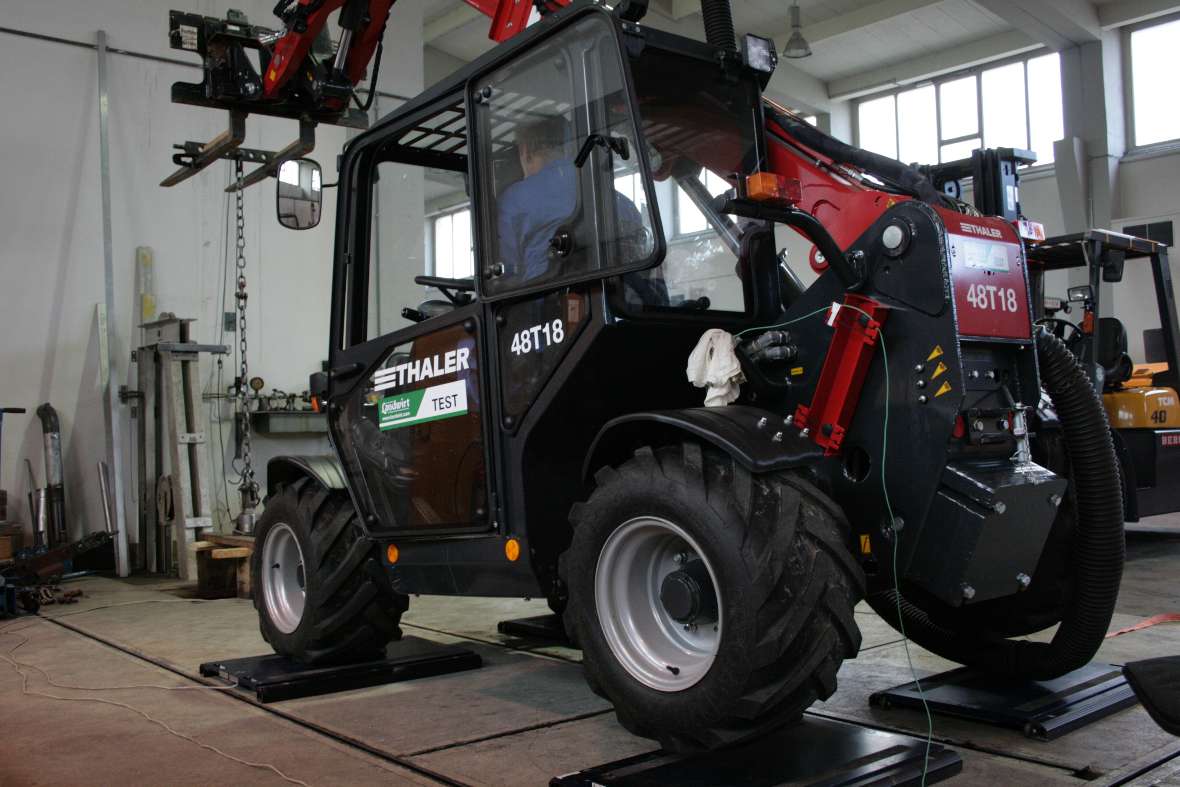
point(197, 156)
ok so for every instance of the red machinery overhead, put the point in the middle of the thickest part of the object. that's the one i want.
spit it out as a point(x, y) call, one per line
point(303, 76)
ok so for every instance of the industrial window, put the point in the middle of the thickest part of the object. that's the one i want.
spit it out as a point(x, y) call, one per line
point(1155, 61)
point(1014, 105)
point(451, 253)
point(689, 219)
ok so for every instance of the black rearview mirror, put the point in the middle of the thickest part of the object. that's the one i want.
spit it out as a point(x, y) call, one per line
point(299, 194)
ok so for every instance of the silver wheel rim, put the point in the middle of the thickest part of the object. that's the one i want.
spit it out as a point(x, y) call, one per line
point(657, 650)
point(283, 581)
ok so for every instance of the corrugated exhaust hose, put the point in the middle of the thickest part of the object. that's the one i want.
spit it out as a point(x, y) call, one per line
point(719, 24)
point(1098, 548)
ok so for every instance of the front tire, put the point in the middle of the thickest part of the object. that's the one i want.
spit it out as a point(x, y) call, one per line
point(320, 590)
point(712, 605)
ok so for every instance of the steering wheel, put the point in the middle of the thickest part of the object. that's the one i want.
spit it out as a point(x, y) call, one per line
point(1059, 326)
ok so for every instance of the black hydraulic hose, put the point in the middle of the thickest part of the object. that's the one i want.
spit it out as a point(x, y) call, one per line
point(1098, 549)
point(719, 24)
point(905, 177)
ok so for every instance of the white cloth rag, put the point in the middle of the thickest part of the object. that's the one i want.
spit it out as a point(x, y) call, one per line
point(714, 365)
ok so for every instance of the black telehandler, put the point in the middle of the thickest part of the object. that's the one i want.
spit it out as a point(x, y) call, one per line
point(903, 434)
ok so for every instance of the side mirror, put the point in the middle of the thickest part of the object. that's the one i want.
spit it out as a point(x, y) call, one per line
point(1082, 294)
point(299, 194)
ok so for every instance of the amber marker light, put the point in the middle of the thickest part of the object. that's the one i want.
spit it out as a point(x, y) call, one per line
point(512, 549)
point(391, 553)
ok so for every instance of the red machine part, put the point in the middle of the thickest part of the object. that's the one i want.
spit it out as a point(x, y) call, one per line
point(290, 50)
point(842, 204)
point(509, 17)
point(988, 272)
point(858, 329)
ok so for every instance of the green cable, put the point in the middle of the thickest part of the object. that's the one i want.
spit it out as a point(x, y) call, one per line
point(892, 520)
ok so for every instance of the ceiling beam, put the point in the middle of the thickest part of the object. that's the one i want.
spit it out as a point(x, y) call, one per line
point(1058, 24)
point(945, 61)
point(859, 18)
point(676, 9)
point(1129, 12)
point(449, 21)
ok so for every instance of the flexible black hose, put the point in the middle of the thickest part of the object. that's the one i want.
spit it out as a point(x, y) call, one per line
point(908, 179)
point(1098, 548)
point(719, 24)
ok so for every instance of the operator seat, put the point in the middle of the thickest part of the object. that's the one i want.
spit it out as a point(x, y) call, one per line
point(1112, 352)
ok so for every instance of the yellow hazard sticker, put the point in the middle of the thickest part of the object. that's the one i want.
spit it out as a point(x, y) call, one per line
point(866, 545)
point(939, 371)
point(798, 370)
point(945, 389)
point(935, 353)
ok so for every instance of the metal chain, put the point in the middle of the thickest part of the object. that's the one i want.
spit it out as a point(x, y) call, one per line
point(248, 487)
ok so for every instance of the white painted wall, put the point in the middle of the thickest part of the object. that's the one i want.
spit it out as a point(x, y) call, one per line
point(51, 261)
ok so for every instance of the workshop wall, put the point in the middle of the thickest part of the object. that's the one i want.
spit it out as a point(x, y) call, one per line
point(51, 220)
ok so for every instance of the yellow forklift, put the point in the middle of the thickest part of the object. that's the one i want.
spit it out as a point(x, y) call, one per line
point(1141, 399)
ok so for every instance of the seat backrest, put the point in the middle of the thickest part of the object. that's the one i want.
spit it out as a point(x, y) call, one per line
point(1112, 351)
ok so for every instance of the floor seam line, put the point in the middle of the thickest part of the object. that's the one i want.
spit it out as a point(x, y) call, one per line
point(513, 733)
point(245, 698)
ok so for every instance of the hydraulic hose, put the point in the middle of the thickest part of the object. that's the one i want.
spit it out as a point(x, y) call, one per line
point(1098, 548)
point(719, 24)
point(908, 179)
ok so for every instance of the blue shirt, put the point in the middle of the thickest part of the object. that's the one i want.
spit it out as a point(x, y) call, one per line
point(532, 210)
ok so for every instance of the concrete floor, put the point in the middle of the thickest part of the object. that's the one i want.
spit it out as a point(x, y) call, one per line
point(107, 692)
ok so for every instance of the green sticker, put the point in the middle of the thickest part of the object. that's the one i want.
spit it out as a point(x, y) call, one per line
point(425, 404)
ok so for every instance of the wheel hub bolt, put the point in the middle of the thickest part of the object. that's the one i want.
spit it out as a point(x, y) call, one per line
point(1024, 580)
point(968, 592)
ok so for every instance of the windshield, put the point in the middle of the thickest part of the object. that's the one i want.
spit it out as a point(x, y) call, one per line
point(703, 131)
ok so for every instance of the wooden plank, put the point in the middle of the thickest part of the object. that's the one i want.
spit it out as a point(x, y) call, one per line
point(201, 546)
point(229, 540)
point(231, 553)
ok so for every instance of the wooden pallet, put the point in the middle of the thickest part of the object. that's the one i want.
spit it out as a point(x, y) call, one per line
point(223, 566)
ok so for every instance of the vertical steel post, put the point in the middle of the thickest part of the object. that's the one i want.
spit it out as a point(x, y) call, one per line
point(110, 395)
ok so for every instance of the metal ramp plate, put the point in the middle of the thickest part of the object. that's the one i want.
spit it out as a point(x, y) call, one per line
point(273, 678)
point(814, 752)
point(1043, 710)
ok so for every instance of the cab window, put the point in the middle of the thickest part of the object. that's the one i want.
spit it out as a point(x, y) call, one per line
point(556, 135)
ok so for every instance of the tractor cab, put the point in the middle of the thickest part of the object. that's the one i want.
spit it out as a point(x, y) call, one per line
point(1140, 398)
point(584, 164)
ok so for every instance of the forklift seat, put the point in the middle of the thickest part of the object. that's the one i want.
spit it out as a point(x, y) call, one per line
point(1112, 352)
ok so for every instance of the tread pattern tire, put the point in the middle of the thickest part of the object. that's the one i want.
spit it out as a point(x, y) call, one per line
point(788, 584)
point(351, 612)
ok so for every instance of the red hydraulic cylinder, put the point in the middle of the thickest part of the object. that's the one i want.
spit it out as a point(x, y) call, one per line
point(858, 330)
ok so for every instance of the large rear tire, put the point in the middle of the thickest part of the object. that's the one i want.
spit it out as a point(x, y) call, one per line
point(769, 553)
point(321, 593)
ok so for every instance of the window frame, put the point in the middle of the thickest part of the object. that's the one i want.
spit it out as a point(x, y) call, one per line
point(477, 162)
point(1132, 147)
point(431, 249)
point(952, 76)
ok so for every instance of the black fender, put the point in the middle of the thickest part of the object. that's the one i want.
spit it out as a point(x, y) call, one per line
point(760, 440)
point(324, 470)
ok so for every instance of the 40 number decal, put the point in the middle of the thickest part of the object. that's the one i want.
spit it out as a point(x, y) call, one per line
point(989, 297)
point(538, 337)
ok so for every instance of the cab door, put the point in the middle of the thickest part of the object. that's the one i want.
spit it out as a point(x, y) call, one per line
point(407, 390)
point(564, 195)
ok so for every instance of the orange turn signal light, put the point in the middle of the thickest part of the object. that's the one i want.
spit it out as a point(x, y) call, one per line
point(512, 550)
point(772, 187)
point(392, 553)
